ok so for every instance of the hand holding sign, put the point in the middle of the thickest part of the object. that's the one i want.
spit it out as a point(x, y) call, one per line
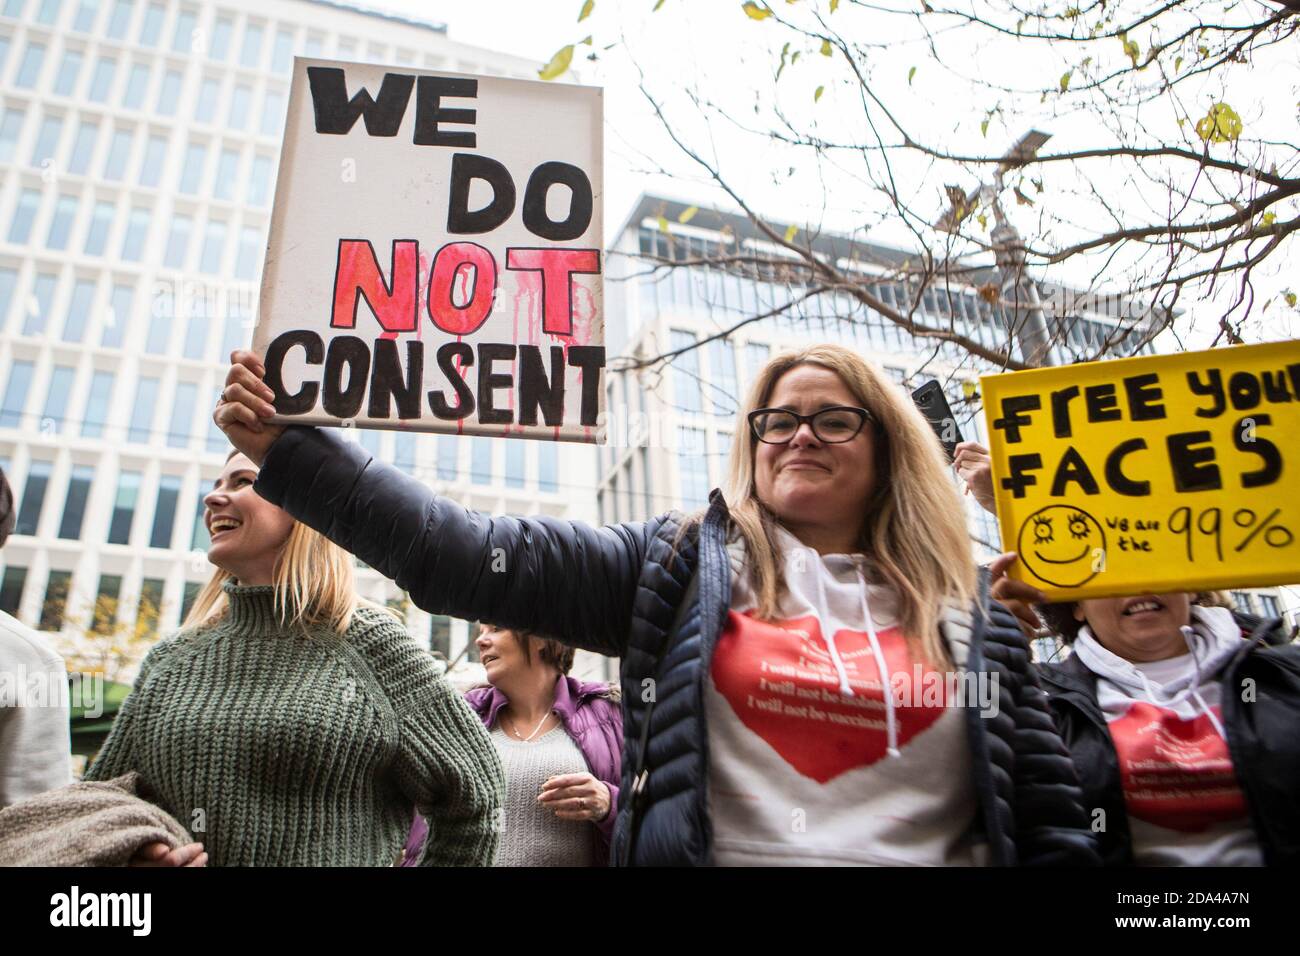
point(244, 404)
point(1150, 474)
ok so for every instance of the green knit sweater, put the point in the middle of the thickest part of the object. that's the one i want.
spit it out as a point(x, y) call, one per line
point(279, 748)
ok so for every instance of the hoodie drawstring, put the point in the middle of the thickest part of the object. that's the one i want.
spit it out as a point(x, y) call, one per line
point(1191, 691)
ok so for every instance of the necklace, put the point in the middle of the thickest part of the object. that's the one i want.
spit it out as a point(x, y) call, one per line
point(545, 718)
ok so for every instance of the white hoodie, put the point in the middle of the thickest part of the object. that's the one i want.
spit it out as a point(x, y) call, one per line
point(810, 761)
point(1185, 807)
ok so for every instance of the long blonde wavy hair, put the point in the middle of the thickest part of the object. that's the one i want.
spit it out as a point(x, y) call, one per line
point(313, 580)
point(914, 535)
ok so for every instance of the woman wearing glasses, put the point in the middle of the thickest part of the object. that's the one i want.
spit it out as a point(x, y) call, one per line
point(807, 676)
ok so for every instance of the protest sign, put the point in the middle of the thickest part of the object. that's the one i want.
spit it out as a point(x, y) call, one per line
point(435, 254)
point(1155, 474)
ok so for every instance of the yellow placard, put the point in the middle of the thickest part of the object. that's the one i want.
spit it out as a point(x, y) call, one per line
point(1150, 475)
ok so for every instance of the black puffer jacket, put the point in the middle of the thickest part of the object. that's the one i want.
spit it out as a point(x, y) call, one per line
point(1260, 694)
point(621, 590)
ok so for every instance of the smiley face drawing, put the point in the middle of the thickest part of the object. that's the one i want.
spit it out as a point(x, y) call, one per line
point(1060, 544)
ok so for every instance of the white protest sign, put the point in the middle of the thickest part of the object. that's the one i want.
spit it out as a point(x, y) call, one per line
point(435, 254)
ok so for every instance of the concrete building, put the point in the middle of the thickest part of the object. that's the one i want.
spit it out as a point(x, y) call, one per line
point(671, 427)
point(138, 143)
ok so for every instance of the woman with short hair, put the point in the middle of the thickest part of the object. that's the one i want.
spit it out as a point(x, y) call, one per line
point(772, 645)
point(560, 742)
point(291, 723)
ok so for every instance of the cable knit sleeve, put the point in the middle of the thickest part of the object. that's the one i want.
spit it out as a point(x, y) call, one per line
point(116, 756)
point(445, 762)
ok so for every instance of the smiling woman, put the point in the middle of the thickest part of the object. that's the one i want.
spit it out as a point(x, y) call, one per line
point(325, 722)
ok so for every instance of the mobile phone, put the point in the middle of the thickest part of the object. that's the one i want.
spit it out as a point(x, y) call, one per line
point(934, 406)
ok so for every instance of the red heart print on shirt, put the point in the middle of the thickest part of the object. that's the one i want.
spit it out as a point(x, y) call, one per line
point(1176, 772)
point(781, 682)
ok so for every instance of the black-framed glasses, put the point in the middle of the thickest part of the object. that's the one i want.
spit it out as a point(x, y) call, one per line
point(832, 426)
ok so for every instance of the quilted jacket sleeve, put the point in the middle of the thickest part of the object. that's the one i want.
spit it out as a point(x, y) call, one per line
point(564, 579)
point(1051, 825)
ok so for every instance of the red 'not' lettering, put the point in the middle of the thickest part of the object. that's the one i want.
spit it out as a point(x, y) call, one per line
point(358, 274)
point(557, 266)
point(451, 258)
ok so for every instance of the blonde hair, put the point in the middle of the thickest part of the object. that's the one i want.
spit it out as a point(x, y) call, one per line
point(914, 534)
point(313, 580)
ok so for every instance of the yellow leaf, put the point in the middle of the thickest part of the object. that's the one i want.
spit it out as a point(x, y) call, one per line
point(1065, 80)
point(1268, 219)
point(755, 11)
point(1178, 63)
point(1220, 125)
point(970, 387)
point(826, 48)
point(586, 10)
point(834, 5)
point(790, 232)
point(586, 39)
point(558, 65)
point(663, 224)
point(818, 95)
point(657, 6)
point(688, 214)
point(910, 73)
point(1290, 298)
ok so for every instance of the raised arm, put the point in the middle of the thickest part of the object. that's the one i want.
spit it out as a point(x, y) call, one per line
point(563, 579)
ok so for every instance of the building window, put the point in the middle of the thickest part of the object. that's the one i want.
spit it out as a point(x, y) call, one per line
point(79, 307)
point(128, 492)
point(146, 400)
point(447, 466)
point(259, 181)
point(101, 81)
point(66, 79)
point(10, 128)
point(8, 282)
point(74, 505)
point(87, 14)
point(219, 48)
point(1269, 605)
point(169, 93)
point(56, 601)
point(29, 71)
point(118, 316)
point(65, 212)
point(83, 148)
point(47, 140)
point(240, 98)
point(159, 335)
point(404, 451)
point(97, 403)
point(119, 151)
point(56, 399)
point(547, 466)
point(196, 333)
point(196, 155)
point(250, 253)
point(120, 18)
point(155, 153)
point(515, 463)
point(149, 610)
point(199, 540)
point(137, 231)
point(214, 244)
point(164, 515)
point(15, 401)
point(251, 52)
point(11, 589)
point(20, 227)
point(48, 12)
point(151, 25)
point(105, 614)
point(183, 35)
point(236, 333)
point(205, 108)
point(272, 113)
point(480, 466)
point(178, 243)
point(756, 356)
point(101, 221)
point(178, 433)
point(40, 304)
point(282, 52)
point(137, 82)
point(38, 482)
point(693, 467)
point(686, 372)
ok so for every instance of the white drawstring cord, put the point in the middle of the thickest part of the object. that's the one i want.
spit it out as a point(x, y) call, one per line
point(886, 686)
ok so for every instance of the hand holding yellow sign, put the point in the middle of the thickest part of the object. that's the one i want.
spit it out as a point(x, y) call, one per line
point(1159, 474)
